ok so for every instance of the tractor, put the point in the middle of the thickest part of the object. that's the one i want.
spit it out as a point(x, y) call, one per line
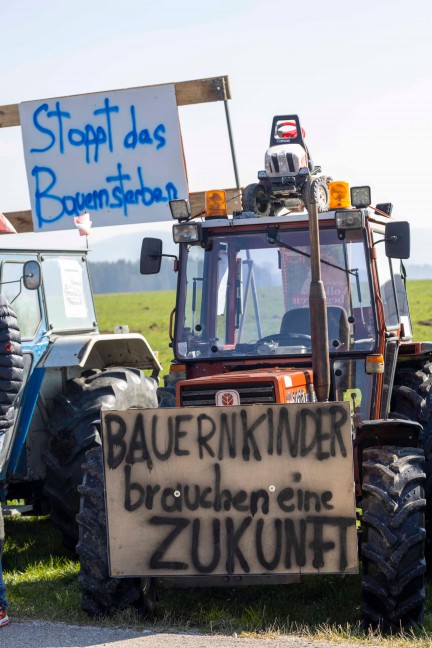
point(71, 370)
point(293, 434)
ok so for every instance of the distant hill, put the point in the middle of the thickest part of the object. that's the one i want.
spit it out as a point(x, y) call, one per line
point(418, 271)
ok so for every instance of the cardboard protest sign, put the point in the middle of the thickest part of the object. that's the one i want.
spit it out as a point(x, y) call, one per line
point(116, 155)
point(239, 490)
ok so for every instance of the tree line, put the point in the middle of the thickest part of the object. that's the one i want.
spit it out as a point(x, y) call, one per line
point(124, 276)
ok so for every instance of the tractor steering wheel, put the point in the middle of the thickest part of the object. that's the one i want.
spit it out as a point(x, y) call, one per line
point(285, 339)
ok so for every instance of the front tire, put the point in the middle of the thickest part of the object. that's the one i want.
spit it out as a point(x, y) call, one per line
point(100, 593)
point(412, 400)
point(74, 428)
point(393, 561)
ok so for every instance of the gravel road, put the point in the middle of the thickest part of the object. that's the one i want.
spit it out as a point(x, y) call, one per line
point(41, 634)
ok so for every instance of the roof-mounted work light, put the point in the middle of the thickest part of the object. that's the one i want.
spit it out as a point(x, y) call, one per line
point(360, 197)
point(187, 233)
point(179, 209)
point(349, 219)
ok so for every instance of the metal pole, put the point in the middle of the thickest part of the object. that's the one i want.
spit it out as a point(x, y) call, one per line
point(230, 135)
point(317, 305)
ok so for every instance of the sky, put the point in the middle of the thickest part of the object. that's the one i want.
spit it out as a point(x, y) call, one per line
point(359, 75)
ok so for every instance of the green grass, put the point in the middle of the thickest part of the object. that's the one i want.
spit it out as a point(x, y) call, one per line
point(41, 580)
point(145, 313)
point(42, 584)
point(420, 302)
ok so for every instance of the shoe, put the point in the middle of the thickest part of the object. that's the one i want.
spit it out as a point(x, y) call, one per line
point(4, 619)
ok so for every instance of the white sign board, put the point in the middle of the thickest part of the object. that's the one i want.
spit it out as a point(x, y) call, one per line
point(230, 490)
point(116, 155)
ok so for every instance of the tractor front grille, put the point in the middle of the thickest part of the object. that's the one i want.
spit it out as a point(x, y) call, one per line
point(250, 393)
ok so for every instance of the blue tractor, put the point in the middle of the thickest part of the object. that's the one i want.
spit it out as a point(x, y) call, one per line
point(71, 372)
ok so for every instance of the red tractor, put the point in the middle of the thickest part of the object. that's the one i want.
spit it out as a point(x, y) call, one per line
point(296, 398)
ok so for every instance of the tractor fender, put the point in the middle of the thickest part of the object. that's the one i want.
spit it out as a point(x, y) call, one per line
point(392, 431)
point(99, 351)
point(386, 432)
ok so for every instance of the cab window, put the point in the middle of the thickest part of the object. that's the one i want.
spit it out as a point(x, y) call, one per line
point(386, 282)
point(25, 303)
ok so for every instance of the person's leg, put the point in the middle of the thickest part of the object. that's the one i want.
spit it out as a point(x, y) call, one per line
point(3, 600)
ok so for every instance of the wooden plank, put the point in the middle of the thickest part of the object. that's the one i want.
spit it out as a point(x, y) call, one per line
point(202, 90)
point(268, 476)
point(9, 116)
point(197, 200)
point(22, 220)
point(187, 93)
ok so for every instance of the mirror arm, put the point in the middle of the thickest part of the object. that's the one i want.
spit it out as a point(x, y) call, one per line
point(391, 239)
point(172, 256)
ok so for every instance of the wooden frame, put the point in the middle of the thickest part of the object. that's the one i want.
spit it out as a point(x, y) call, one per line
point(187, 93)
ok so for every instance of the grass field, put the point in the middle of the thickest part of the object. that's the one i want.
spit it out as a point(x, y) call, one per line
point(145, 313)
point(42, 584)
point(41, 579)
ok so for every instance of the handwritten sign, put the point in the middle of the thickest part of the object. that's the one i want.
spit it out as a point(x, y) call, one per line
point(239, 490)
point(116, 155)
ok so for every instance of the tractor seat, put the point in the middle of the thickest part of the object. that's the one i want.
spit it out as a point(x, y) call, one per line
point(298, 321)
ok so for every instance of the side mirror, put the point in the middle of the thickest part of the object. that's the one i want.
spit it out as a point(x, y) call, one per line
point(151, 256)
point(397, 240)
point(32, 275)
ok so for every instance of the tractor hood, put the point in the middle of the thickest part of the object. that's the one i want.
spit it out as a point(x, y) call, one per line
point(288, 385)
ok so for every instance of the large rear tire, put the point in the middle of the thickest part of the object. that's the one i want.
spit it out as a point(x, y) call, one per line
point(100, 593)
point(393, 536)
point(412, 399)
point(74, 428)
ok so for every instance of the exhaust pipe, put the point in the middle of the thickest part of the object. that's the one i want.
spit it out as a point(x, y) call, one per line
point(317, 303)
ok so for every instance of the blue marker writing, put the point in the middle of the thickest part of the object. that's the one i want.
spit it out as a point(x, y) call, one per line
point(42, 194)
point(89, 137)
point(136, 136)
point(118, 192)
point(107, 110)
point(60, 114)
point(50, 207)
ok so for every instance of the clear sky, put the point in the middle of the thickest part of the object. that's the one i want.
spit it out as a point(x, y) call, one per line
point(359, 74)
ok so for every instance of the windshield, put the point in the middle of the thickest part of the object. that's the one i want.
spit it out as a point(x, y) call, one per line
point(248, 295)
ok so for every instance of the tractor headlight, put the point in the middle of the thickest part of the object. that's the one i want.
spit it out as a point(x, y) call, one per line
point(352, 219)
point(187, 233)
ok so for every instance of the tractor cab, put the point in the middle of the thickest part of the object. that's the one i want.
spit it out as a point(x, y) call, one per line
point(243, 303)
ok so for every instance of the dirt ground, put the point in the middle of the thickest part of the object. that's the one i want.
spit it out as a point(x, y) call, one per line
point(42, 634)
